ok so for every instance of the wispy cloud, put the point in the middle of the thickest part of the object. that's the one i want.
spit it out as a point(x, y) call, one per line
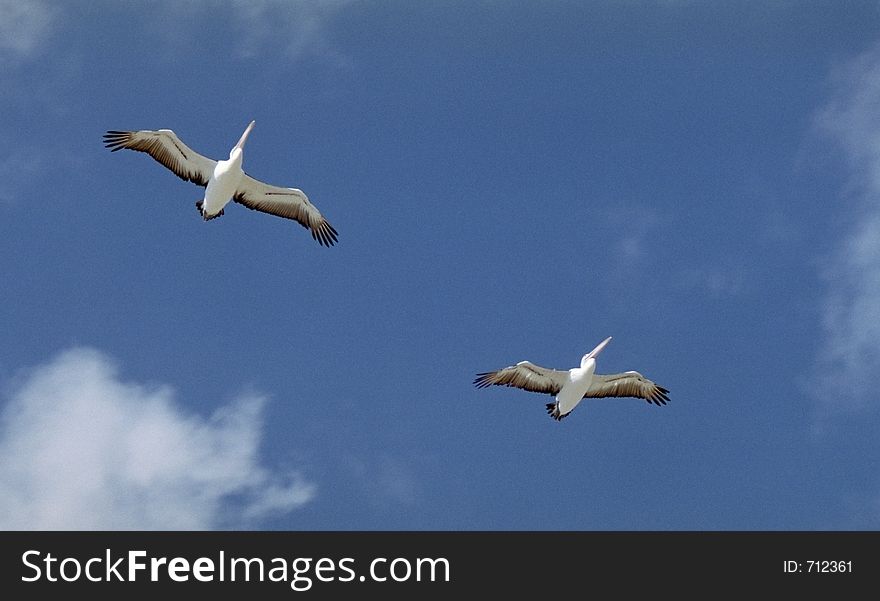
point(637, 238)
point(636, 227)
point(850, 352)
point(83, 449)
point(386, 480)
point(25, 27)
point(297, 28)
point(15, 169)
point(272, 30)
point(632, 232)
point(723, 280)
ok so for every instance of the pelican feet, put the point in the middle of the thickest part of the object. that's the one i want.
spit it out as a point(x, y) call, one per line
point(200, 205)
point(553, 411)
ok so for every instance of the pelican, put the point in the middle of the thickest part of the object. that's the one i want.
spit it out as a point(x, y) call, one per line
point(575, 384)
point(224, 180)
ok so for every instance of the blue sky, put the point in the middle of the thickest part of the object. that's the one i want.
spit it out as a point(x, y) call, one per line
point(509, 180)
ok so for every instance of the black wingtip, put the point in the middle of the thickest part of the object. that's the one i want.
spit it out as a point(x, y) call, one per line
point(660, 397)
point(482, 380)
point(325, 234)
point(113, 140)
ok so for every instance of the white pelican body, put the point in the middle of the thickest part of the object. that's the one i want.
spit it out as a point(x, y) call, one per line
point(224, 180)
point(576, 384)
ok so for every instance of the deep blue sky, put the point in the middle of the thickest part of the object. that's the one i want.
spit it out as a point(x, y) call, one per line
point(509, 180)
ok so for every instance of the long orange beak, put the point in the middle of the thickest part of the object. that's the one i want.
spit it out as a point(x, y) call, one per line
point(599, 348)
point(245, 135)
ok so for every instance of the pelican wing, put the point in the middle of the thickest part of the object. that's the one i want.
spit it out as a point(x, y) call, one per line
point(164, 146)
point(290, 203)
point(525, 375)
point(627, 384)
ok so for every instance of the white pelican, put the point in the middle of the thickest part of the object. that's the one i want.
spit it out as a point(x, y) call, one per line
point(224, 180)
point(575, 384)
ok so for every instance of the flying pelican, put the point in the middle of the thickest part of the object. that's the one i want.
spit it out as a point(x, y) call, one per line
point(575, 384)
point(224, 180)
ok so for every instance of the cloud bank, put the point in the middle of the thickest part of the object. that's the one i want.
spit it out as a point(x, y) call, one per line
point(82, 449)
point(850, 358)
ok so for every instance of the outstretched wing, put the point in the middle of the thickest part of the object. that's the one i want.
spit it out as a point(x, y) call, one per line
point(627, 384)
point(289, 203)
point(164, 146)
point(525, 375)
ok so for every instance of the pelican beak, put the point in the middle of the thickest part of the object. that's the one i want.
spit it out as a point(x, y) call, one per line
point(245, 135)
point(599, 348)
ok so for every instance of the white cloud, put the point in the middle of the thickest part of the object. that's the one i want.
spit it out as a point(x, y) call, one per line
point(25, 26)
point(82, 449)
point(850, 352)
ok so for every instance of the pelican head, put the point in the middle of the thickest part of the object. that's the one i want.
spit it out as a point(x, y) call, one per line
point(240, 145)
point(593, 353)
